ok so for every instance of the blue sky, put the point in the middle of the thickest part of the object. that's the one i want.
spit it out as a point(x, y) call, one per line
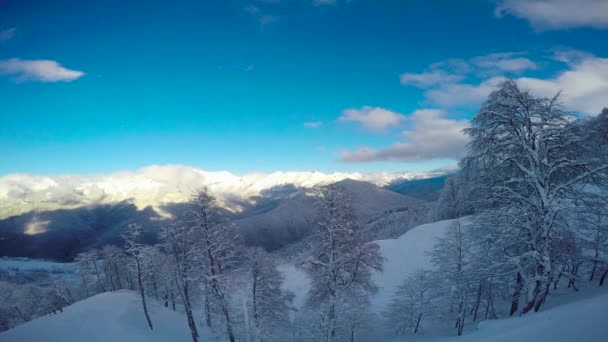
point(266, 85)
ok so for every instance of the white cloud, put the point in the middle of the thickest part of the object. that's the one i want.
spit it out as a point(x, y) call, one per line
point(583, 87)
point(8, 34)
point(37, 71)
point(462, 94)
point(374, 119)
point(432, 137)
point(557, 14)
point(313, 124)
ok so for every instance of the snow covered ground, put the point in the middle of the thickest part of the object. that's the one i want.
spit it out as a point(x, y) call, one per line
point(581, 321)
point(405, 255)
point(111, 316)
point(117, 316)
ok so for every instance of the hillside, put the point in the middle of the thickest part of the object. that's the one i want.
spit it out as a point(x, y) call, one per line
point(293, 217)
point(111, 316)
point(117, 316)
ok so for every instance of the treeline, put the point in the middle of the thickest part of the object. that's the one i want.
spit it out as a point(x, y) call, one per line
point(534, 190)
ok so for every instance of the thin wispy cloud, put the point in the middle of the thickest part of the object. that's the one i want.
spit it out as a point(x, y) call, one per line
point(7, 34)
point(557, 14)
point(453, 70)
point(40, 70)
point(374, 119)
point(324, 2)
point(313, 124)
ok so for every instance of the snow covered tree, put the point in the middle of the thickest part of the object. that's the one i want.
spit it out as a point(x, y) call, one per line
point(267, 304)
point(221, 245)
point(451, 259)
point(178, 242)
point(410, 304)
point(135, 248)
point(592, 219)
point(342, 260)
point(113, 262)
point(357, 322)
point(90, 271)
point(529, 159)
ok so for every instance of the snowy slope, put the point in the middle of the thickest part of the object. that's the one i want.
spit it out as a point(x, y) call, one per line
point(581, 321)
point(293, 217)
point(403, 256)
point(113, 316)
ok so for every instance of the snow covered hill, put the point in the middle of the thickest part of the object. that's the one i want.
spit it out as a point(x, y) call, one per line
point(111, 316)
point(294, 217)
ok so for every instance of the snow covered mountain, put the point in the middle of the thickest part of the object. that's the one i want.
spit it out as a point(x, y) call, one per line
point(278, 214)
point(156, 186)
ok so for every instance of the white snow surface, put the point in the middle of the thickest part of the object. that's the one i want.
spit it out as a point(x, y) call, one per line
point(403, 256)
point(111, 316)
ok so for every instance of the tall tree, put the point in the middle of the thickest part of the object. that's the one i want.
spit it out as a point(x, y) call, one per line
point(529, 159)
point(221, 247)
point(342, 259)
point(183, 259)
point(268, 305)
point(135, 249)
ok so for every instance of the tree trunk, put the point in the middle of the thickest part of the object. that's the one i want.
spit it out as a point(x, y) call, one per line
point(516, 294)
point(418, 323)
point(603, 277)
point(207, 309)
point(103, 287)
point(477, 301)
point(172, 300)
point(189, 316)
point(117, 276)
point(532, 301)
point(20, 314)
point(544, 298)
point(143, 297)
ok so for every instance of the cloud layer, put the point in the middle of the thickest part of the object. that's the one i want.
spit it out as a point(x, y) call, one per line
point(583, 82)
point(40, 70)
point(432, 136)
point(155, 186)
point(557, 14)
